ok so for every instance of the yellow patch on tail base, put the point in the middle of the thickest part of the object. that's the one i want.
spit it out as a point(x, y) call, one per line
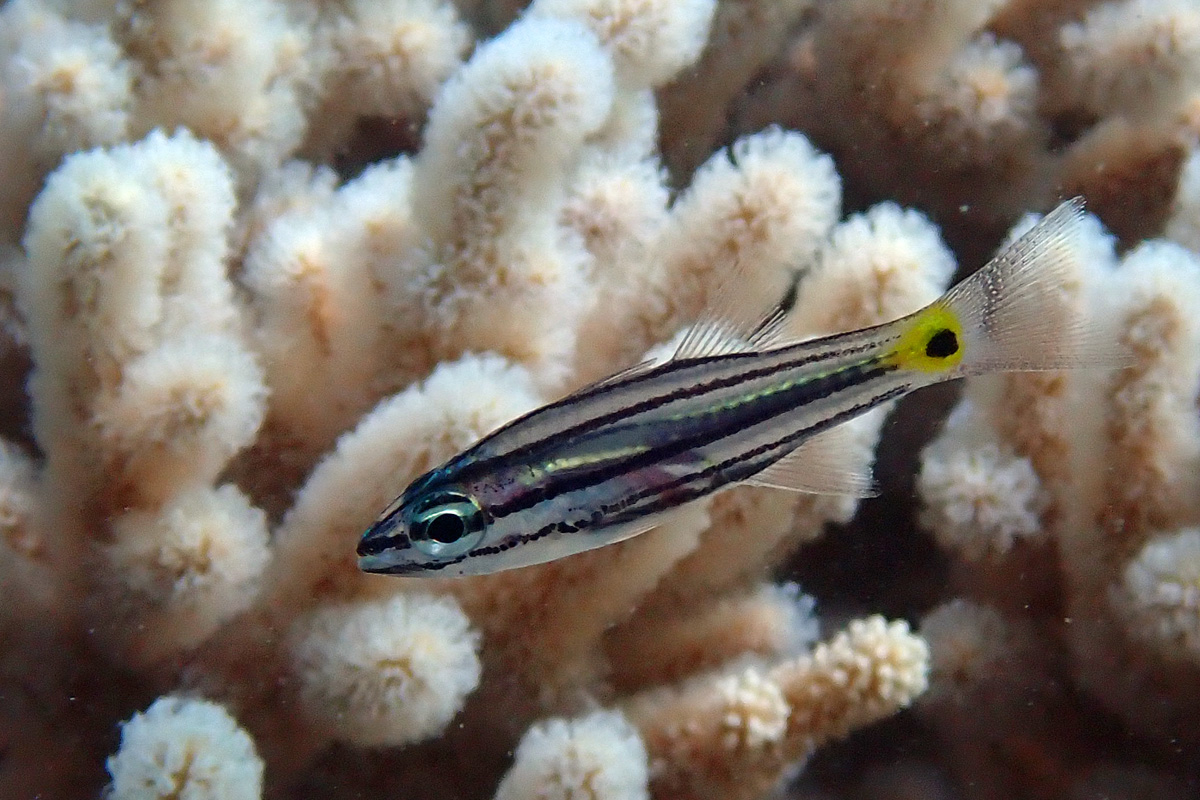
point(932, 343)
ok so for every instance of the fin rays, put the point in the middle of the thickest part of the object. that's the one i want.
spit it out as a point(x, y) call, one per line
point(828, 463)
point(1024, 310)
point(722, 331)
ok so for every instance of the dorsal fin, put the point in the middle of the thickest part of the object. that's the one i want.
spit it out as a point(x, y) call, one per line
point(831, 462)
point(628, 372)
point(722, 330)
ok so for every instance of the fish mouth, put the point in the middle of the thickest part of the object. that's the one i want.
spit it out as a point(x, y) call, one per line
point(386, 534)
point(377, 549)
point(374, 542)
point(383, 550)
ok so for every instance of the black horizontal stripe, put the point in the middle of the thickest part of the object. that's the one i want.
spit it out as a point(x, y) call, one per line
point(755, 413)
point(525, 538)
point(662, 501)
point(678, 492)
point(483, 466)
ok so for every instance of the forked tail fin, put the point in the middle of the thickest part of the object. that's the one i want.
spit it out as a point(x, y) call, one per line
point(1025, 309)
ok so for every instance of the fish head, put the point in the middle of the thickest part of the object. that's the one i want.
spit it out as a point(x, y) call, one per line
point(432, 529)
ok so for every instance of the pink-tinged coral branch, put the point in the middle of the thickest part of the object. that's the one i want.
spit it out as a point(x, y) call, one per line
point(1153, 438)
point(737, 734)
point(382, 59)
point(67, 86)
point(237, 73)
point(660, 645)
point(181, 571)
point(145, 386)
point(596, 757)
point(1132, 57)
point(389, 672)
point(759, 210)
point(649, 41)
point(1159, 595)
point(185, 747)
point(239, 358)
point(129, 304)
point(498, 273)
point(322, 278)
point(980, 496)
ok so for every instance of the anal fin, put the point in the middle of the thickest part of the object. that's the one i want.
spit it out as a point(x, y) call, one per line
point(832, 462)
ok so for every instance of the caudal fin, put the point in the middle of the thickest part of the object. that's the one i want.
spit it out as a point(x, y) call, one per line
point(1025, 309)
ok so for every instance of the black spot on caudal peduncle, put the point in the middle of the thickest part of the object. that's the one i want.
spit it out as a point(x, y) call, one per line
point(942, 344)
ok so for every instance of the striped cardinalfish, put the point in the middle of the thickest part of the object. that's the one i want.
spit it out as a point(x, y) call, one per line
point(735, 404)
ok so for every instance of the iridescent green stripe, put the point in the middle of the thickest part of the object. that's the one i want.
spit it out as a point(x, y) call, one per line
point(723, 420)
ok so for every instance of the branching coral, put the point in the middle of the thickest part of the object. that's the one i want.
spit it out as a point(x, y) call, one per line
point(386, 673)
point(188, 567)
point(321, 288)
point(667, 645)
point(1161, 594)
point(143, 378)
point(980, 497)
point(183, 747)
point(736, 735)
point(270, 261)
point(925, 74)
point(597, 756)
point(233, 72)
point(979, 96)
point(384, 59)
point(497, 273)
point(1134, 57)
point(1107, 472)
point(145, 387)
point(768, 203)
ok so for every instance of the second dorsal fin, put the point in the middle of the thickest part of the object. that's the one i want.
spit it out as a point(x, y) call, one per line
point(722, 330)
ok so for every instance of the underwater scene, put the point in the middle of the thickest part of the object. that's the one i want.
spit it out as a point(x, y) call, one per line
point(600, 399)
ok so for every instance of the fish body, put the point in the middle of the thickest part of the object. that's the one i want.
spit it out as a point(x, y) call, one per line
point(730, 407)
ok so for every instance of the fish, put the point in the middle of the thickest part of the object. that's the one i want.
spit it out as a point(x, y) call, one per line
point(737, 403)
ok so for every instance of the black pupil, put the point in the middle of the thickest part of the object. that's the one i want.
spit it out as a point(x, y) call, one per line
point(445, 528)
point(942, 344)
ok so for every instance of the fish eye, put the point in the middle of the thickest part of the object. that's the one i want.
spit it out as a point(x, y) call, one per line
point(447, 525)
